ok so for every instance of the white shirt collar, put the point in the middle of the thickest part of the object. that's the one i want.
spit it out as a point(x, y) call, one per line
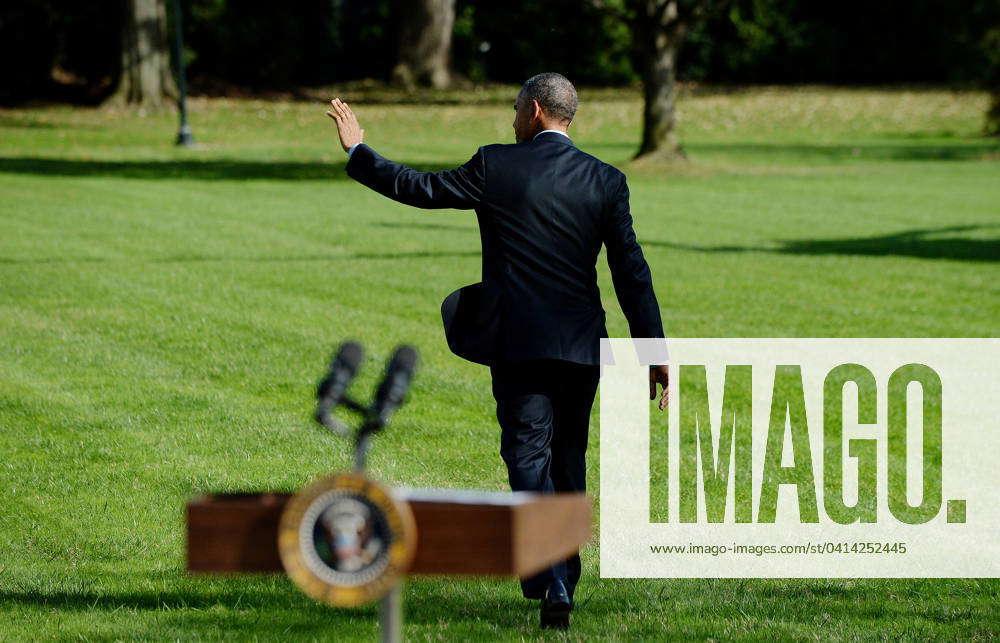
point(557, 131)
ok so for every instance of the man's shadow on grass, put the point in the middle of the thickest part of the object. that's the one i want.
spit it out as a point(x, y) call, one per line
point(201, 170)
point(925, 243)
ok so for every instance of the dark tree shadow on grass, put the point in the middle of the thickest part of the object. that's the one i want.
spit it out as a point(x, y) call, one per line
point(784, 603)
point(404, 225)
point(429, 603)
point(272, 612)
point(272, 606)
point(24, 122)
point(925, 243)
point(234, 596)
point(863, 151)
point(207, 170)
point(390, 256)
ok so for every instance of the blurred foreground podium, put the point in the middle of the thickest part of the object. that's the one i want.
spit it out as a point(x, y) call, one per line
point(347, 540)
point(344, 554)
point(459, 532)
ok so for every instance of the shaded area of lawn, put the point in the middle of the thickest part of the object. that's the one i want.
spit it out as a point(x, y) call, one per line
point(245, 169)
point(646, 609)
point(248, 259)
point(969, 151)
point(207, 170)
point(924, 243)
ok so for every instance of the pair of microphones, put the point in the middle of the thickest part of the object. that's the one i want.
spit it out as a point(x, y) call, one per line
point(389, 396)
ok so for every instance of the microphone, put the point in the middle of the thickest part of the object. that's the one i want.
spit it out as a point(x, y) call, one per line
point(392, 391)
point(331, 389)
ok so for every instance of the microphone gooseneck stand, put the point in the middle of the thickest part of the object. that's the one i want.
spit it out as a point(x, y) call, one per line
point(390, 395)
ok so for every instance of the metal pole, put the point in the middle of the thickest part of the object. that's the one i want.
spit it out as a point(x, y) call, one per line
point(184, 136)
point(391, 617)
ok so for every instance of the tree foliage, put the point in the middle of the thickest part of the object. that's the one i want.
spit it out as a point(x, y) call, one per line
point(846, 42)
point(72, 50)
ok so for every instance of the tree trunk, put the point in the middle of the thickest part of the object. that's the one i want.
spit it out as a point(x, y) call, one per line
point(425, 43)
point(993, 116)
point(659, 118)
point(146, 80)
point(658, 33)
point(991, 45)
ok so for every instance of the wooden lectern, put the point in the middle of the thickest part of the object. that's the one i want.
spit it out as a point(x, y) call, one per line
point(480, 533)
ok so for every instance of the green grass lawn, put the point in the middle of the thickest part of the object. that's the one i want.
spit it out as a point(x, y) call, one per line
point(165, 315)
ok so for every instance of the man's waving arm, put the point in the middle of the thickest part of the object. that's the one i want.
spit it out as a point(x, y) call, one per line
point(461, 188)
point(633, 281)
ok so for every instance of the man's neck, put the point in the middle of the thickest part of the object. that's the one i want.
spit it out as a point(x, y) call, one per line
point(557, 131)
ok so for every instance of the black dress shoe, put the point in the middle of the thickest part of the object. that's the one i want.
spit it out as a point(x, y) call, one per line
point(556, 607)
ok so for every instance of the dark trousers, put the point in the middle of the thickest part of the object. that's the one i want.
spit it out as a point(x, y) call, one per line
point(543, 407)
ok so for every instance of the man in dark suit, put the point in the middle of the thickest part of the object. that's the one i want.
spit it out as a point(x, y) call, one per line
point(544, 208)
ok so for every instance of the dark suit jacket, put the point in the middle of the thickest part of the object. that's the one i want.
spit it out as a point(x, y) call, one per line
point(544, 209)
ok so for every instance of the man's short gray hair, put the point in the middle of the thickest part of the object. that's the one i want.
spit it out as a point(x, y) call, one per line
point(554, 93)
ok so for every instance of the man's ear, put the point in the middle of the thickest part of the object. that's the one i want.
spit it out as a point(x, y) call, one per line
point(536, 110)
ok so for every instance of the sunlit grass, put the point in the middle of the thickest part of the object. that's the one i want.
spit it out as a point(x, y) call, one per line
point(165, 313)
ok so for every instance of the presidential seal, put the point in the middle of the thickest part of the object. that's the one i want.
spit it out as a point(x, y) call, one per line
point(345, 541)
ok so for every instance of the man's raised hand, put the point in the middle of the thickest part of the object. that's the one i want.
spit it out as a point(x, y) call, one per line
point(347, 124)
point(660, 375)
